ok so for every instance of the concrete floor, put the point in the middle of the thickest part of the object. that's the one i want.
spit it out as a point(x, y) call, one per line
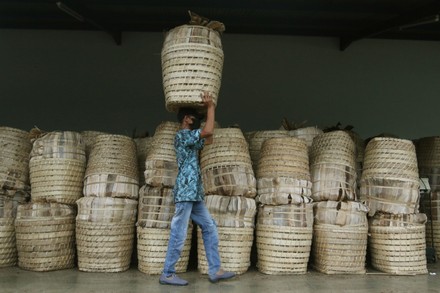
point(14, 279)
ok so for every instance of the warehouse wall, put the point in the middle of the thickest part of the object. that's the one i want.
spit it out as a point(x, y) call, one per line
point(72, 80)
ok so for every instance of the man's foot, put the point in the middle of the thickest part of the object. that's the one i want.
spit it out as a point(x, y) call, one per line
point(172, 279)
point(221, 275)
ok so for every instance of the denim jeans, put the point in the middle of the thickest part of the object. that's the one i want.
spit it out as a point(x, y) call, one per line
point(179, 226)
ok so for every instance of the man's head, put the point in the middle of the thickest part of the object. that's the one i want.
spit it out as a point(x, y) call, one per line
point(192, 114)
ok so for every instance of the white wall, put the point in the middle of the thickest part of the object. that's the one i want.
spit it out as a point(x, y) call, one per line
point(72, 80)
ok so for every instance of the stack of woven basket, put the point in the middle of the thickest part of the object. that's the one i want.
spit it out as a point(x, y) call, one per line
point(285, 216)
point(390, 183)
point(428, 159)
point(45, 227)
point(230, 188)
point(156, 203)
point(106, 215)
point(341, 226)
point(14, 185)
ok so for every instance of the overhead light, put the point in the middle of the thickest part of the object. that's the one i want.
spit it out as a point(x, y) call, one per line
point(70, 11)
point(429, 20)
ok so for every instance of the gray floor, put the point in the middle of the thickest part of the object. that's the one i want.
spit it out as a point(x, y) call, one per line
point(14, 279)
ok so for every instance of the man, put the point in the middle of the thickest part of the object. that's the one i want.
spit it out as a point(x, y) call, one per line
point(189, 195)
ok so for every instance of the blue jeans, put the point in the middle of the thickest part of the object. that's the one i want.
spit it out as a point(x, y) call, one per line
point(179, 226)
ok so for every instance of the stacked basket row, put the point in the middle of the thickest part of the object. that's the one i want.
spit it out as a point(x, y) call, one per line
point(107, 213)
point(230, 188)
point(14, 184)
point(390, 184)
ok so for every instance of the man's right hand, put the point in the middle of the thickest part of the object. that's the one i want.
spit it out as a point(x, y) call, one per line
point(207, 99)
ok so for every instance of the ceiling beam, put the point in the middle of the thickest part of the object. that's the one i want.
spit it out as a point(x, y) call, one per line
point(411, 17)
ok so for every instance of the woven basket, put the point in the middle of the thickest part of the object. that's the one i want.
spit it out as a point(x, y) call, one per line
point(283, 190)
point(433, 236)
point(433, 175)
point(161, 162)
point(45, 236)
point(106, 210)
point(192, 62)
point(256, 139)
point(232, 211)
point(89, 138)
point(104, 247)
point(14, 158)
point(399, 250)
point(156, 207)
point(332, 167)
point(143, 145)
point(152, 246)
point(306, 133)
point(111, 185)
point(8, 247)
point(340, 213)
point(59, 145)
point(57, 180)
point(226, 165)
point(339, 249)
point(290, 215)
point(283, 250)
point(8, 204)
point(390, 178)
point(428, 152)
point(234, 248)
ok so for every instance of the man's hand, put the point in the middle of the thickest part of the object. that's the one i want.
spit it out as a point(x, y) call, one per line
point(207, 99)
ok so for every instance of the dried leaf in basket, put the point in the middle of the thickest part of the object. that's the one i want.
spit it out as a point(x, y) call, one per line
point(196, 19)
point(35, 133)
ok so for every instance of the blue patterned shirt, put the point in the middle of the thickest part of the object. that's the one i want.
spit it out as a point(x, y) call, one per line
point(189, 186)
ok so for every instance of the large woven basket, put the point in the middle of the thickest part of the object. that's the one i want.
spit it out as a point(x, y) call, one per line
point(45, 236)
point(14, 158)
point(234, 248)
point(390, 178)
point(226, 165)
point(156, 207)
point(256, 139)
point(8, 247)
point(397, 244)
point(339, 249)
point(192, 62)
point(143, 145)
point(306, 133)
point(161, 162)
point(289, 215)
point(340, 213)
point(283, 190)
point(89, 138)
point(332, 167)
point(104, 247)
point(282, 249)
point(152, 246)
point(57, 180)
point(106, 210)
point(428, 160)
point(432, 210)
point(232, 211)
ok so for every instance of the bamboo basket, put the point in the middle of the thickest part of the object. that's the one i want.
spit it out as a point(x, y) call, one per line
point(111, 185)
point(291, 215)
point(433, 236)
point(152, 246)
point(57, 180)
point(106, 210)
point(339, 249)
point(234, 248)
point(283, 249)
point(143, 145)
point(232, 211)
point(104, 246)
point(59, 145)
point(428, 160)
point(89, 138)
point(8, 247)
point(283, 190)
point(45, 236)
point(161, 162)
point(307, 134)
point(226, 166)
point(9, 205)
point(192, 62)
point(14, 159)
point(156, 207)
point(332, 167)
point(390, 178)
point(340, 213)
point(256, 139)
point(432, 209)
point(397, 244)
